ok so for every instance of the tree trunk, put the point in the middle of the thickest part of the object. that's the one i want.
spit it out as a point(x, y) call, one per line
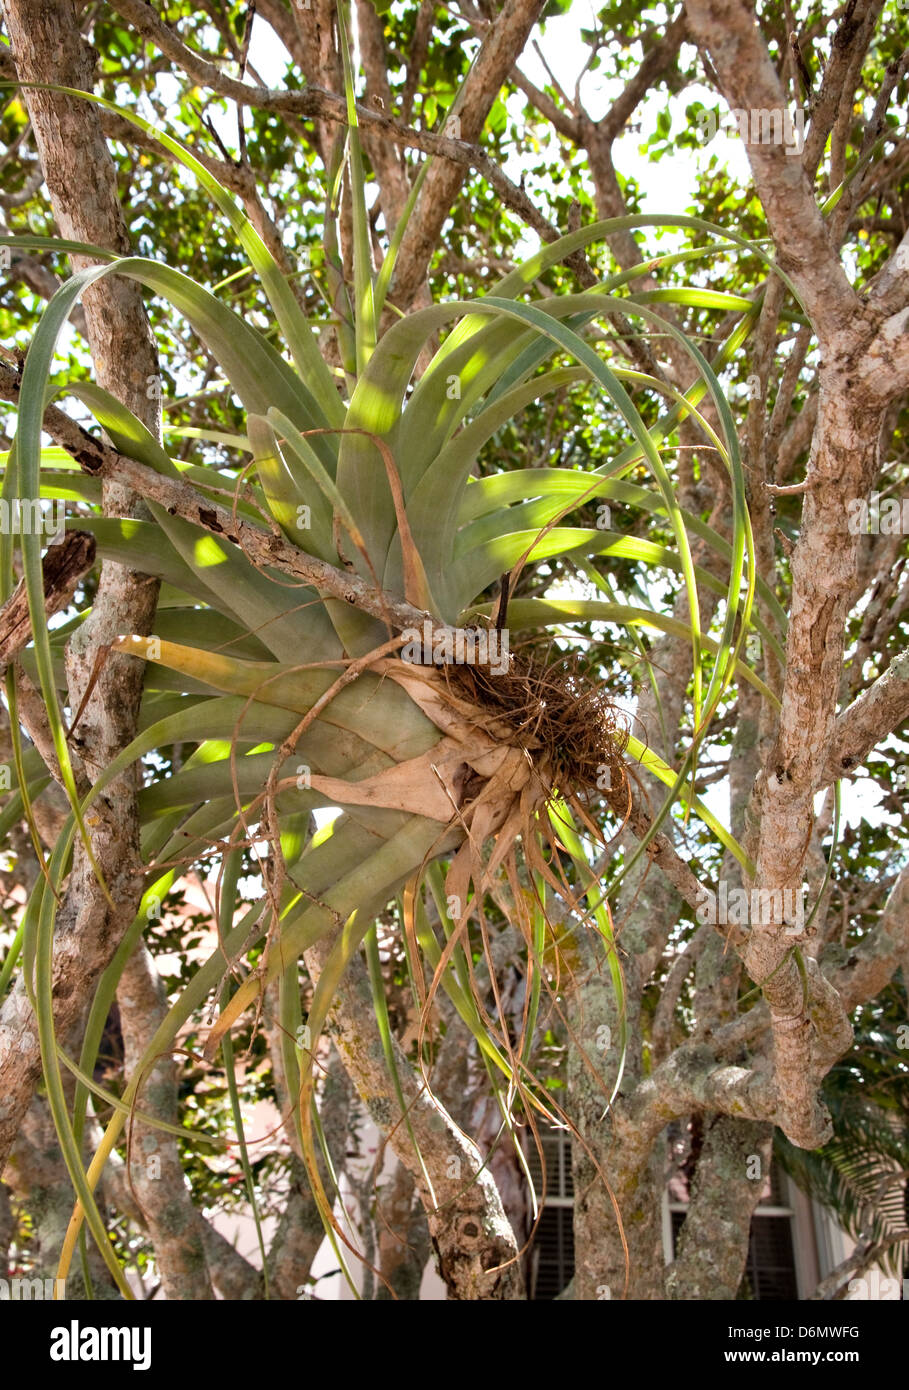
point(713, 1242)
point(48, 47)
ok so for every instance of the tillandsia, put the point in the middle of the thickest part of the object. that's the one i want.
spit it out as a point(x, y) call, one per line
point(326, 639)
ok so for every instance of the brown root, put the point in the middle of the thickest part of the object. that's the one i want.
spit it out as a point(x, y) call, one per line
point(547, 703)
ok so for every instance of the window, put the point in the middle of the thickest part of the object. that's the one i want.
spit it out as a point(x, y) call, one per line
point(770, 1270)
point(550, 1263)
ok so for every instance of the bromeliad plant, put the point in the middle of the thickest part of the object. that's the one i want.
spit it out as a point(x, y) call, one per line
point(453, 780)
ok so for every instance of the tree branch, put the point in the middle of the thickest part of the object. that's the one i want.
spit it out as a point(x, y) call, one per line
point(155, 1167)
point(440, 189)
point(478, 1255)
point(877, 712)
point(727, 29)
point(880, 953)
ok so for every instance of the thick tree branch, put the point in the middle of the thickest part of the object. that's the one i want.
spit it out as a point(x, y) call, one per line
point(848, 48)
point(872, 963)
point(728, 30)
point(470, 1231)
point(726, 1188)
point(504, 41)
point(155, 1166)
point(877, 712)
point(48, 47)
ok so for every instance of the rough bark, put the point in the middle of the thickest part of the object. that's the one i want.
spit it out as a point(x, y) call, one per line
point(402, 1237)
point(618, 1189)
point(233, 1276)
point(745, 1070)
point(864, 364)
point(879, 710)
point(64, 565)
point(36, 1174)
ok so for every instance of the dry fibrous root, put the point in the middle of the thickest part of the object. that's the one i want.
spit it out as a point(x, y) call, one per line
point(552, 707)
point(516, 741)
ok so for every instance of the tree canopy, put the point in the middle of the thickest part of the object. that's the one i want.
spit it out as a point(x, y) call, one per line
point(339, 335)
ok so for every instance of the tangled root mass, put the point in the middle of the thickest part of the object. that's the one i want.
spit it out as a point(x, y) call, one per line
point(549, 703)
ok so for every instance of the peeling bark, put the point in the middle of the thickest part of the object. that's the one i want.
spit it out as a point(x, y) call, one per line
point(63, 565)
